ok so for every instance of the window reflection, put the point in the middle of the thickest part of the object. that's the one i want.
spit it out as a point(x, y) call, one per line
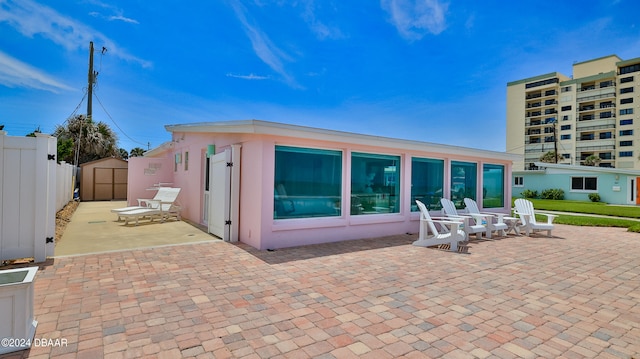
point(427, 180)
point(375, 186)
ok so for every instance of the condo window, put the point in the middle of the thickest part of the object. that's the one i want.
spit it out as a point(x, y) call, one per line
point(307, 183)
point(566, 108)
point(492, 186)
point(625, 153)
point(626, 122)
point(565, 137)
point(427, 182)
point(565, 127)
point(626, 79)
point(626, 143)
point(464, 182)
point(626, 100)
point(566, 89)
point(605, 135)
point(629, 69)
point(626, 90)
point(626, 111)
point(375, 183)
point(584, 183)
point(626, 132)
point(542, 83)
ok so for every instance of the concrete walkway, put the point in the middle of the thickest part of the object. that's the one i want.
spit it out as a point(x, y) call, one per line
point(94, 229)
point(576, 295)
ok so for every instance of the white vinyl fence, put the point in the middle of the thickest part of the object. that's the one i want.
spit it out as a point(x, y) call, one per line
point(32, 189)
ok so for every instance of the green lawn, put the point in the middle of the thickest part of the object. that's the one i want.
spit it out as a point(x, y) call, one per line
point(590, 208)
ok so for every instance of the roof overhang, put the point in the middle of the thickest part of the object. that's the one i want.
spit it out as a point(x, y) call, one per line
point(621, 171)
point(259, 127)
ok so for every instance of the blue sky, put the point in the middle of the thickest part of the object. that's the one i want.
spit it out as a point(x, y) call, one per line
point(425, 70)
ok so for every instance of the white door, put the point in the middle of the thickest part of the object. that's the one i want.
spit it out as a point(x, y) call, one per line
point(220, 194)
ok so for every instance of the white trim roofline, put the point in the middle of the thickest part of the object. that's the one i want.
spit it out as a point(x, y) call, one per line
point(586, 168)
point(287, 130)
point(159, 150)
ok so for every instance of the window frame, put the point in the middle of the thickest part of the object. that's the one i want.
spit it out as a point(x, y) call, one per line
point(517, 183)
point(585, 181)
point(434, 201)
point(291, 197)
point(374, 196)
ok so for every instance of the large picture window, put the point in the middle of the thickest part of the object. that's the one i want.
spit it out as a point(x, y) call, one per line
point(584, 183)
point(492, 186)
point(308, 183)
point(427, 182)
point(464, 182)
point(375, 183)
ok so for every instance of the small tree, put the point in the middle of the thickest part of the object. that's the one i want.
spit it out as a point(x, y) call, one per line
point(592, 160)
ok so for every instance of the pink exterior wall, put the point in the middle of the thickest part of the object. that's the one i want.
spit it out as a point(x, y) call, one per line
point(257, 226)
point(145, 173)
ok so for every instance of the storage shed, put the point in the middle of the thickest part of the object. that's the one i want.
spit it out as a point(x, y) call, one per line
point(104, 180)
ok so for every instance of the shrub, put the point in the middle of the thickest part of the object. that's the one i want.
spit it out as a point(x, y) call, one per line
point(552, 193)
point(527, 193)
point(594, 197)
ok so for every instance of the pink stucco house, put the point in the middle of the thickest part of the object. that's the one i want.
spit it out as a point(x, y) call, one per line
point(274, 185)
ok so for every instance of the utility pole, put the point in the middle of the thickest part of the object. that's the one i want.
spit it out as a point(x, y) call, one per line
point(555, 142)
point(91, 80)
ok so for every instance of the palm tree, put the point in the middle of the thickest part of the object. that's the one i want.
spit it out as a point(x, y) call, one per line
point(137, 152)
point(551, 157)
point(592, 160)
point(90, 141)
point(123, 154)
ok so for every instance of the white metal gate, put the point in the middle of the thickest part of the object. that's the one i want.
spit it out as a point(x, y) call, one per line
point(27, 196)
point(224, 182)
point(219, 190)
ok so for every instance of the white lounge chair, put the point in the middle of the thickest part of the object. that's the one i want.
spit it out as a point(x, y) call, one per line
point(524, 209)
point(165, 199)
point(451, 236)
point(472, 222)
point(495, 221)
point(150, 213)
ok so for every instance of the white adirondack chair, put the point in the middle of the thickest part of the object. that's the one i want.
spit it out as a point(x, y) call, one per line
point(452, 235)
point(524, 209)
point(495, 221)
point(472, 222)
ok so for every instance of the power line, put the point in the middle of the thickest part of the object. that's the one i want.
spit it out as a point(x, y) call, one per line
point(114, 122)
point(77, 107)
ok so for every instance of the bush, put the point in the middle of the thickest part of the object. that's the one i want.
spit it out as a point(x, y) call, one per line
point(552, 193)
point(594, 197)
point(527, 193)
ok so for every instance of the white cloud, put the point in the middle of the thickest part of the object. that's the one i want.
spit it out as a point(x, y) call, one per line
point(268, 52)
point(319, 28)
point(31, 18)
point(14, 73)
point(416, 18)
point(249, 77)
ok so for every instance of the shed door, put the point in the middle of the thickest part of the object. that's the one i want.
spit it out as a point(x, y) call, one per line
point(109, 184)
point(220, 194)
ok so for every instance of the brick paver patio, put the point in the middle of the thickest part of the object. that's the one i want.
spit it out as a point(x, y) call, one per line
point(574, 296)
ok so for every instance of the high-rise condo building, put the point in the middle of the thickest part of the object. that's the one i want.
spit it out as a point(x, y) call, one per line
point(591, 118)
